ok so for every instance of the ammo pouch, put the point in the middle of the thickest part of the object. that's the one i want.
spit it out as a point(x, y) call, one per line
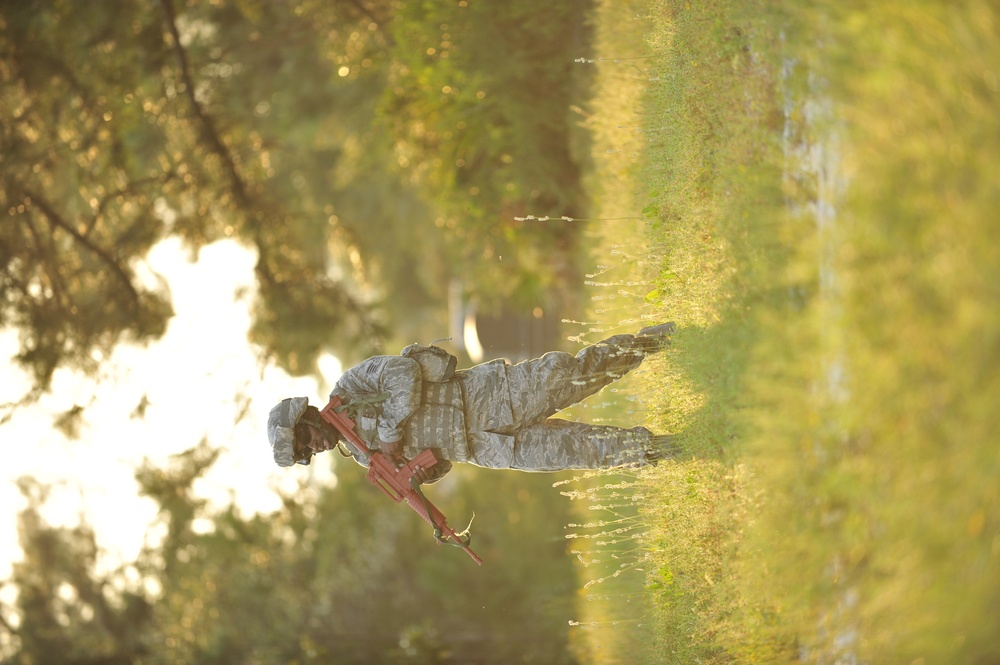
point(436, 364)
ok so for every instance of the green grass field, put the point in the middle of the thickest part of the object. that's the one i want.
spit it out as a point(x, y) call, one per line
point(811, 193)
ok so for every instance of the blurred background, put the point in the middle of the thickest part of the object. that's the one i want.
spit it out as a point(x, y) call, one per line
point(212, 205)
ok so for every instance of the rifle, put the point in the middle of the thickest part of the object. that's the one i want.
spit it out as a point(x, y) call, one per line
point(395, 477)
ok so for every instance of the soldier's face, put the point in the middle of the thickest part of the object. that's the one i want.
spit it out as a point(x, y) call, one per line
point(309, 440)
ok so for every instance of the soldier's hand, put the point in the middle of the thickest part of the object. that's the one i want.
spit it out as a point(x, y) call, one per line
point(422, 475)
point(393, 449)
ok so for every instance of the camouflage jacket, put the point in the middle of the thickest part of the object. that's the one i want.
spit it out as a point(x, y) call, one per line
point(450, 416)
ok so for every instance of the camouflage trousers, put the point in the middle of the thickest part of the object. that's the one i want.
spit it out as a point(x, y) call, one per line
point(541, 387)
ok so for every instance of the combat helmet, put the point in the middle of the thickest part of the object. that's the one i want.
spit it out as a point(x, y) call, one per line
point(281, 422)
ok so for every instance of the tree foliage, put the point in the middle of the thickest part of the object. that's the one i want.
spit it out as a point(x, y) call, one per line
point(369, 151)
point(319, 134)
point(66, 611)
point(337, 575)
point(479, 100)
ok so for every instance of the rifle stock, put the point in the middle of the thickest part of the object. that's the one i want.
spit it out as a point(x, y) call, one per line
point(397, 481)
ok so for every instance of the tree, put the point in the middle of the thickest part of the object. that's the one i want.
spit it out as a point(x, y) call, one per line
point(338, 574)
point(274, 122)
point(117, 128)
point(342, 574)
point(66, 612)
point(478, 102)
point(365, 173)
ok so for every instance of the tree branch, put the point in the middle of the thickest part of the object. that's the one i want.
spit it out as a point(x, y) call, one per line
point(7, 625)
point(121, 191)
point(208, 128)
point(56, 220)
point(53, 273)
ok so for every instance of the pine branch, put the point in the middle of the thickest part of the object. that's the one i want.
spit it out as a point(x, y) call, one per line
point(56, 220)
point(211, 134)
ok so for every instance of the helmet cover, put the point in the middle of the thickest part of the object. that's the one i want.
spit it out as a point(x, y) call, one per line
point(281, 423)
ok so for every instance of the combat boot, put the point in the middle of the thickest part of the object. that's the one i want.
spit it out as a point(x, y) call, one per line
point(656, 338)
point(661, 447)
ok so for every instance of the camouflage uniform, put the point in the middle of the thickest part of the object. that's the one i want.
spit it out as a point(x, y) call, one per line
point(498, 415)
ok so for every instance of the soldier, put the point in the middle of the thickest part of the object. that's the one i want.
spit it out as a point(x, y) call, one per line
point(493, 415)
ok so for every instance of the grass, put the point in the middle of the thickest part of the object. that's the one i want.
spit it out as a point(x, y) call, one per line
point(820, 188)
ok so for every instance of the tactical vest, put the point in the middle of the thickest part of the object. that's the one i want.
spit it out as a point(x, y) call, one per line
point(439, 422)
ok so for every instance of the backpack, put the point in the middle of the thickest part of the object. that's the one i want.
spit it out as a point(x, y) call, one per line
point(436, 364)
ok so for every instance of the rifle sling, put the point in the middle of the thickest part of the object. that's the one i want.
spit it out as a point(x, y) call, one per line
point(464, 538)
point(356, 406)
